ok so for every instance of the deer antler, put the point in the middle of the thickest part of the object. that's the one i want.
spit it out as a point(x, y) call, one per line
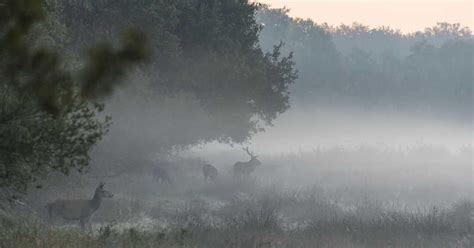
point(246, 149)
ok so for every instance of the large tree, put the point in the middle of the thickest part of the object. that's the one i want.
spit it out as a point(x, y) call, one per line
point(47, 119)
point(206, 60)
point(208, 78)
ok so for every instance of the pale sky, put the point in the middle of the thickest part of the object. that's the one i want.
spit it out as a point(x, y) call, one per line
point(406, 15)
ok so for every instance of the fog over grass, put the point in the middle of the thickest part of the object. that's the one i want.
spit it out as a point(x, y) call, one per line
point(326, 127)
point(371, 146)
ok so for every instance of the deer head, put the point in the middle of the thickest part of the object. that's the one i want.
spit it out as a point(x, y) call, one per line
point(253, 158)
point(102, 193)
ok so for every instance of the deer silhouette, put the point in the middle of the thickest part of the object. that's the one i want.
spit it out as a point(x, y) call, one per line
point(246, 168)
point(210, 172)
point(78, 209)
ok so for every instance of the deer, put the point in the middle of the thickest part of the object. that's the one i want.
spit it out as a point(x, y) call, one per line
point(161, 175)
point(210, 172)
point(78, 209)
point(246, 168)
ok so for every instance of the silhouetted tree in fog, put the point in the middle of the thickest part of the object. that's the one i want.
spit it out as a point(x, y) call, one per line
point(207, 79)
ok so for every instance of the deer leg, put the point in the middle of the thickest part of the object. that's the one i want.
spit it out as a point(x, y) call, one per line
point(85, 221)
point(49, 208)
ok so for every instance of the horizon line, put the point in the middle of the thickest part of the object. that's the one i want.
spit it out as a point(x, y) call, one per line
point(404, 17)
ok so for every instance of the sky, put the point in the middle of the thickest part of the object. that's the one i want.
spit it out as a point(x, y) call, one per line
point(405, 15)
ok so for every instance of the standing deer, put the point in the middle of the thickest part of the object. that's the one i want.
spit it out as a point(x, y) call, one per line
point(246, 168)
point(210, 172)
point(78, 209)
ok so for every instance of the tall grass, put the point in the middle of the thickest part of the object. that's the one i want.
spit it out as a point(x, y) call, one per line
point(364, 197)
point(263, 220)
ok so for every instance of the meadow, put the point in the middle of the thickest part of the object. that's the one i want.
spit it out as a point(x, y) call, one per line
point(361, 197)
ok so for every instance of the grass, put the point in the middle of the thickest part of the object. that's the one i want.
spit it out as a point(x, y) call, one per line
point(263, 220)
point(335, 198)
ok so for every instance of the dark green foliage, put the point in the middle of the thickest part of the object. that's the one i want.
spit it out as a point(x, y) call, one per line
point(106, 65)
point(207, 49)
point(45, 123)
point(34, 142)
point(40, 71)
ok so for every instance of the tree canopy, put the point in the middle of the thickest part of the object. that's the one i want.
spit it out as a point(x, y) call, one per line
point(47, 119)
point(206, 48)
point(201, 55)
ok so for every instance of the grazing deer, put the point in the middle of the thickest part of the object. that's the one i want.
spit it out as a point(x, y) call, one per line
point(161, 175)
point(210, 172)
point(78, 209)
point(246, 168)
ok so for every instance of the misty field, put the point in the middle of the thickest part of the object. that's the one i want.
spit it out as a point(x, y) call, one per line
point(331, 198)
point(231, 123)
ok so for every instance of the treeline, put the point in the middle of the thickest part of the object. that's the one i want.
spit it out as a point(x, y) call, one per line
point(428, 71)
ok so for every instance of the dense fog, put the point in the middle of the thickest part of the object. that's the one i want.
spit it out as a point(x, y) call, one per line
point(329, 127)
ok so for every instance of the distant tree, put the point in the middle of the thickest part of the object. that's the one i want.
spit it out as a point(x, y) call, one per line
point(427, 72)
point(443, 32)
point(315, 55)
point(442, 77)
point(360, 70)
